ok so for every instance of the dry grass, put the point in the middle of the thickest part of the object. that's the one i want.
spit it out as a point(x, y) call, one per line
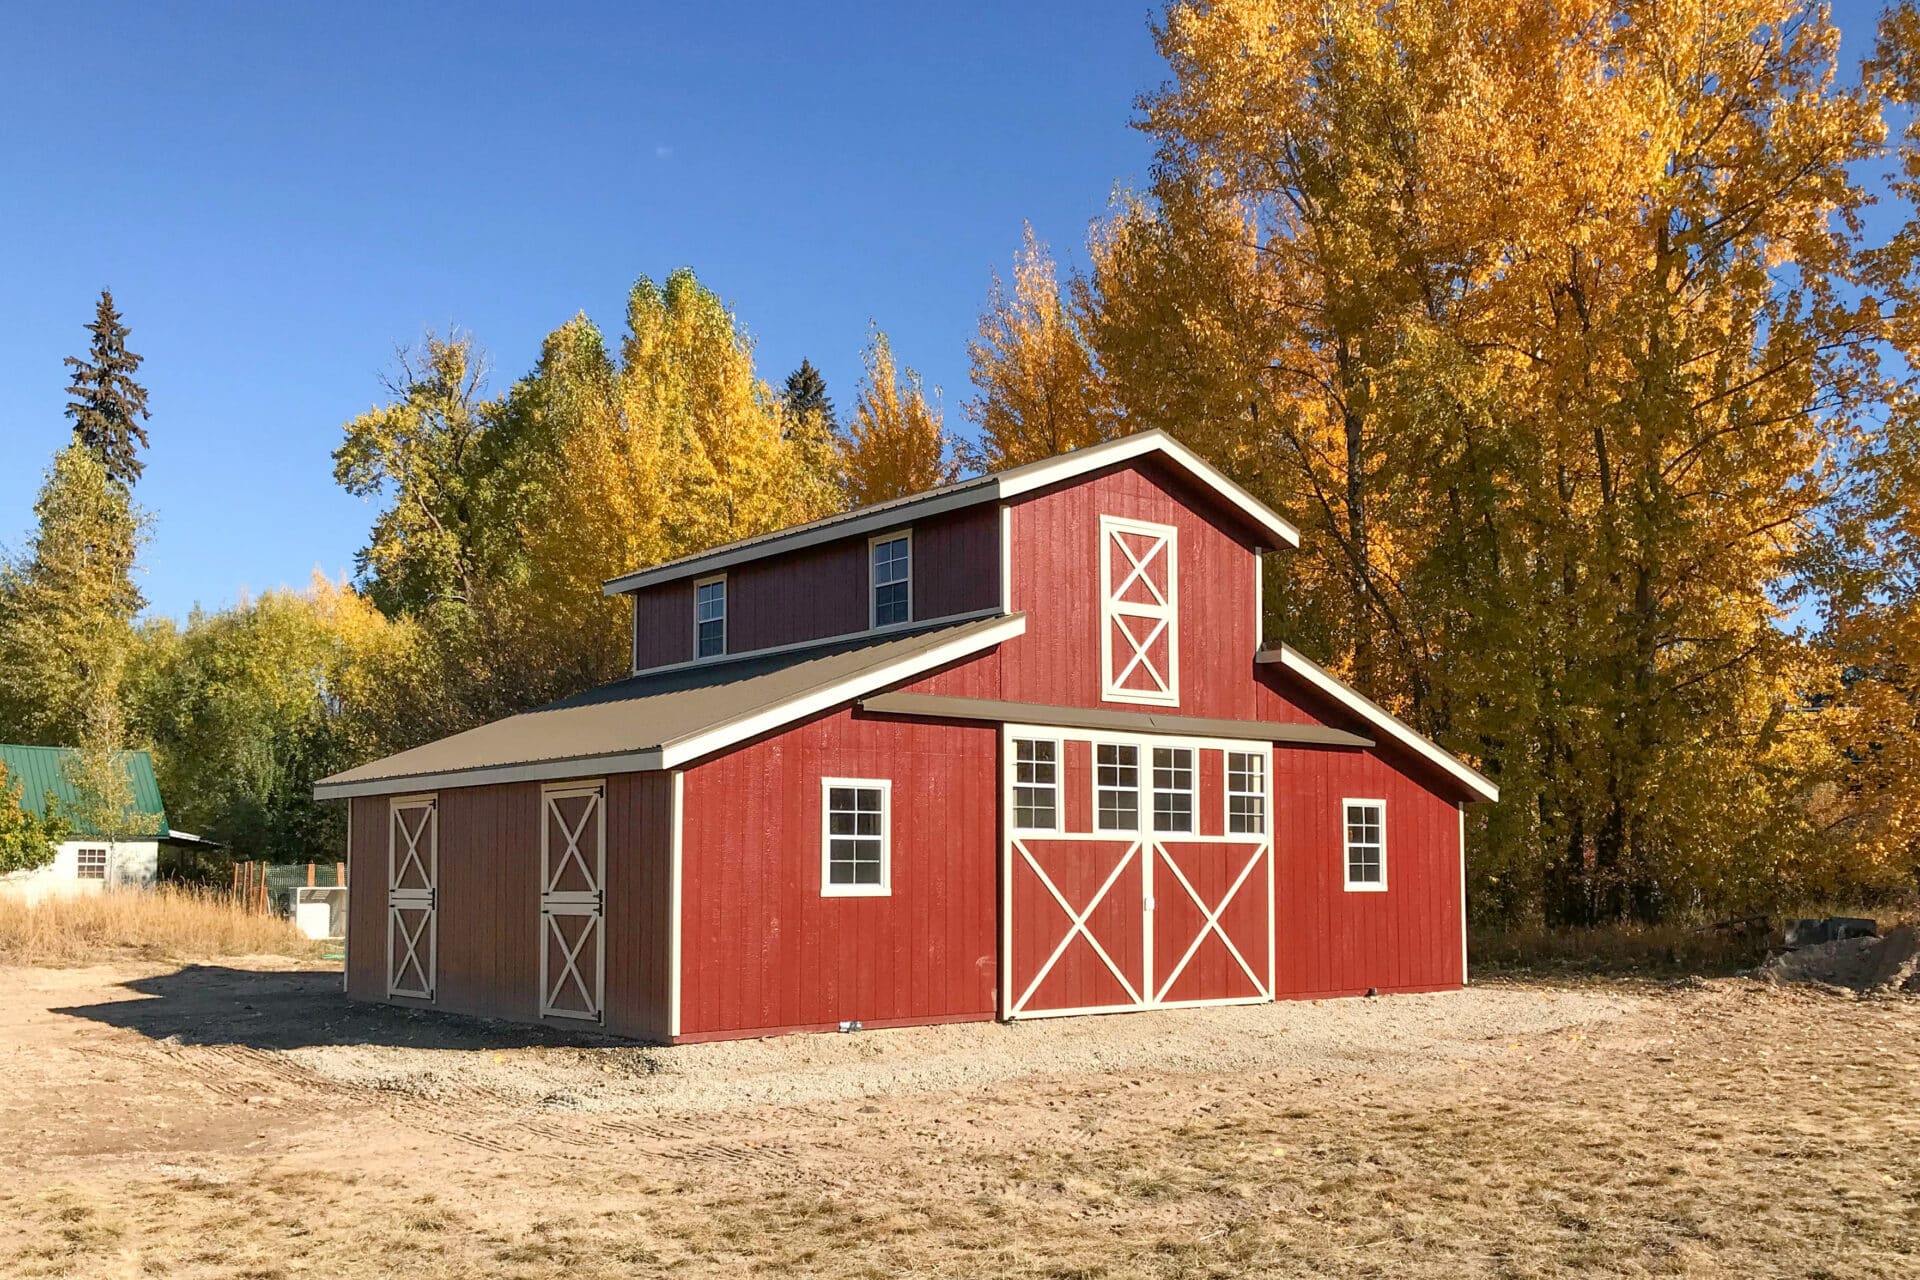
point(167, 923)
point(1686, 946)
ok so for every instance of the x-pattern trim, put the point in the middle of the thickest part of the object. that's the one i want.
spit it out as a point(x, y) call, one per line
point(1139, 574)
point(569, 962)
point(1140, 657)
point(1211, 920)
point(1077, 924)
point(409, 940)
point(411, 858)
point(572, 838)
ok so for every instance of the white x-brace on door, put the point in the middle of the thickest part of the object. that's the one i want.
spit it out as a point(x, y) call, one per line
point(573, 845)
point(413, 880)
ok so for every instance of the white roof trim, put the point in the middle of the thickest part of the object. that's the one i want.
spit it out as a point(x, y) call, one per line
point(707, 741)
point(992, 488)
point(1347, 696)
point(716, 738)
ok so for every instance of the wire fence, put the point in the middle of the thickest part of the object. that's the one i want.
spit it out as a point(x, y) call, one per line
point(268, 887)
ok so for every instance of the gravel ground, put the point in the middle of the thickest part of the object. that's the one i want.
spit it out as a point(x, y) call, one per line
point(1330, 1037)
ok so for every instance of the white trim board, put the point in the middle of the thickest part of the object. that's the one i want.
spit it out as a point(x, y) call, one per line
point(670, 755)
point(1373, 713)
point(992, 488)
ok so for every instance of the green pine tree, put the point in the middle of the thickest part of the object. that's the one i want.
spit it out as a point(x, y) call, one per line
point(107, 405)
point(807, 392)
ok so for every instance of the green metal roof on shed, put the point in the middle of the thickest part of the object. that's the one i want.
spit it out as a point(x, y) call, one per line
point(39, 770)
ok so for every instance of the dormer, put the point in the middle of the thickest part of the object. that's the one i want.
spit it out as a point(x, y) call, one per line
point(951, 553)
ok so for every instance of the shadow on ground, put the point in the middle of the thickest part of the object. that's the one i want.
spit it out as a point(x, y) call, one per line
point(215, 1005)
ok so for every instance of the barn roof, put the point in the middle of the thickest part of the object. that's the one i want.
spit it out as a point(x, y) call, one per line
point(1291, 659)
point(42, 771)
point(992, 487)
point(661, 719)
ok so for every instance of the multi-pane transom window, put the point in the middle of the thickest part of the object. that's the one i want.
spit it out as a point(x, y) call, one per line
point(1366, 825)
point(1173, 789)
point(1246, 792)
point(855, 838)
point(91, 864)
point(1116, 786)
point(710, 618)
point(892, 579)
point(1036, 784)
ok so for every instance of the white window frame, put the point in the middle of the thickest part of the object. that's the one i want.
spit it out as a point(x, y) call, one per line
point(1264, 795)
point(1137, 789)
point(828, 889)
point(720, 578)
point(1191, 791)
point(1347, 846)
point(80, 866)
point(873, 585)
point(1056, 786)
point(1167, 613)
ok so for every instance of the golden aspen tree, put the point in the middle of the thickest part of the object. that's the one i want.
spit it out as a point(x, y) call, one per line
point(1038, 391)
point(1539, 319)
point(896, 443)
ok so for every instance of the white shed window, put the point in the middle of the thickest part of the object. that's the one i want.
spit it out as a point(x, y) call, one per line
point(855, 841)
point(1036, 784)
point(1246, 792)
point(892, 558)
point(1139, 612)
point(90, 864)
point(710, 617)
point(1173, 789)
point(1116, 786)
point(1366, 823)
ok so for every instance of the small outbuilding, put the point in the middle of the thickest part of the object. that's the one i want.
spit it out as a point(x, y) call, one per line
point(1012, 748)
point(90, 861)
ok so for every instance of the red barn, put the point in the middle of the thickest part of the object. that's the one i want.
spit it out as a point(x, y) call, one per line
point(1009, 748)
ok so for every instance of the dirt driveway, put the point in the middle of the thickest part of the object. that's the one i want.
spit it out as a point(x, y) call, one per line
point(246, 1121)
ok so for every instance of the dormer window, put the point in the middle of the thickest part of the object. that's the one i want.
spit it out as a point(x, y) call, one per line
point(891, 556)
point(710, 617)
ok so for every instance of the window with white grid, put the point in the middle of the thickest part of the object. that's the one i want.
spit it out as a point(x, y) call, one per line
point(855, 842)
point(892, 556)
point(1173, 789)
point(710, 617)
point(1036, 784)
point(1366, 827)
point(1116, 786)
point(1246, 792)
point(90, 864)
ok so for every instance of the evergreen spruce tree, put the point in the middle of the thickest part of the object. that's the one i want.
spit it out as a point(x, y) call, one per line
point(807, 392)
point(107, 405)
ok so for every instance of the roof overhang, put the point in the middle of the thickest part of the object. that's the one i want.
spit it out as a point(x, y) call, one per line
point(686, 747)
point(999, 487)
point(944, 707)
point(1291, 659)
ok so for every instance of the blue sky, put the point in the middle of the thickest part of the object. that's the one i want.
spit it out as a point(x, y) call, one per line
point(277, 197)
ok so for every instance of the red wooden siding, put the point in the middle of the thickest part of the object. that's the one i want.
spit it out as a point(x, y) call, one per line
point(821, 591)
point(639, 903)
point(663, 625)
point(764, 950)
point(1056, 583)
point(489, 904)
point(1330, 942)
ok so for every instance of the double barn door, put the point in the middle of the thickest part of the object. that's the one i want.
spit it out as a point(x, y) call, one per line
point(1138, 872)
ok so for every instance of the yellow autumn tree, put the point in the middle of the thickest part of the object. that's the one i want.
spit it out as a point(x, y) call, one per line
point(896, 443)
point(1038, 391)
point(1544, 322)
